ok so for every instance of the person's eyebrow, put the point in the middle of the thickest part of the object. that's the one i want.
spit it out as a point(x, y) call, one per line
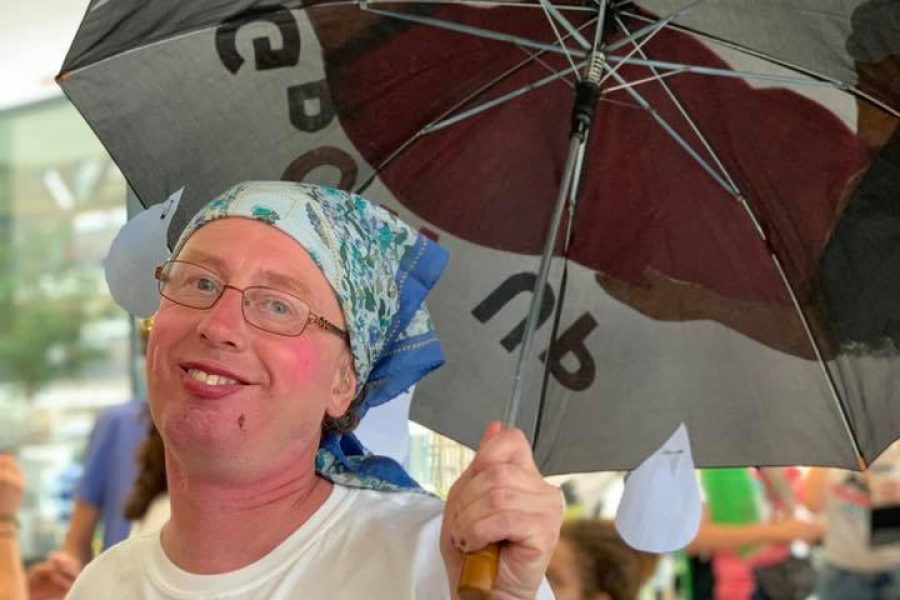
point(287, 283)
point(203, 259)
point(265, 277)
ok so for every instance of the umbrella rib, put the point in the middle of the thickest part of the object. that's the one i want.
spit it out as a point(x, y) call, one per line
point(556, 75)
point(437, 122)
point(487, 3)
point(446, 120)
point(684, 114)
point(537, 56)
point(829, 378)
point(575, 35)
point(637, 82)
point(619, 102)
point(674, 134)
point(549, 68)
point(477, 32)
point(776, 261)
point(550, 9)
point(654, 26)
point(837, 83)
point(657, 27)
point(717, 72)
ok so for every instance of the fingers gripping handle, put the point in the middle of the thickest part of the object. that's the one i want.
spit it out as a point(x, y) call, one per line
point(476, 581)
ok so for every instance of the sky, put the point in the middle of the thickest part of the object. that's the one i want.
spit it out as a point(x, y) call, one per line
point(34, 37)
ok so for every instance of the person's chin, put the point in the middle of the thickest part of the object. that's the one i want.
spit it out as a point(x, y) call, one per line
point(190, 428)
point(212, 454)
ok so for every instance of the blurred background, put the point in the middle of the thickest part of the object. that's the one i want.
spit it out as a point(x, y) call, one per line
point(66, 350)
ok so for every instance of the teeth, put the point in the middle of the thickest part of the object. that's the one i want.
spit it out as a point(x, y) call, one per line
point(210, 379)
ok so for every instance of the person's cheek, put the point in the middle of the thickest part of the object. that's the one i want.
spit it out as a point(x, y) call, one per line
point(305, 363)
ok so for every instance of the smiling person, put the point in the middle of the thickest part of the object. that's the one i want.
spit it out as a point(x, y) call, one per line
point(288, 310)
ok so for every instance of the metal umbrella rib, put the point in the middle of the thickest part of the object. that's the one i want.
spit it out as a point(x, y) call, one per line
point(731, 187)
point(837, 84)
point(448, 118)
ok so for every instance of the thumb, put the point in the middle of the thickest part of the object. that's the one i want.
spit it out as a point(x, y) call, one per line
point(493, 429)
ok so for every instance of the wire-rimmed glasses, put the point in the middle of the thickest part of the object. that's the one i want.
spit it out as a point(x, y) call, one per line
point(265, 308)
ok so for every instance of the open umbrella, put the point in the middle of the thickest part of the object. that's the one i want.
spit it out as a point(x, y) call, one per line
point(727, 231)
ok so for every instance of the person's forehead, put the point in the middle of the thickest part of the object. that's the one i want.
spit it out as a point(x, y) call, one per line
point(269, 255)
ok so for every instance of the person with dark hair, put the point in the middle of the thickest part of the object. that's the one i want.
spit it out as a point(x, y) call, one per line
point(109, 471)
point(592, 562)
point(287, 311)
point(150, 488)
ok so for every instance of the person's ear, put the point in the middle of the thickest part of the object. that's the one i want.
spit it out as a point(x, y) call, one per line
point(343, 387)
point(144, 328)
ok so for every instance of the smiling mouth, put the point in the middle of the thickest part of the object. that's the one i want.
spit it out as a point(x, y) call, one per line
point(210, 378)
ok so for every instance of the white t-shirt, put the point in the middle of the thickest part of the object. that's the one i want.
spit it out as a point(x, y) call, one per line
point(360, 544)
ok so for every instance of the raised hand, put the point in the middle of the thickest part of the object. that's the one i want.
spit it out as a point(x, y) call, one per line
point(501, 497)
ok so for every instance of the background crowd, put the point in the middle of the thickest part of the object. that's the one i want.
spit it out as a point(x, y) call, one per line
point(767, 534)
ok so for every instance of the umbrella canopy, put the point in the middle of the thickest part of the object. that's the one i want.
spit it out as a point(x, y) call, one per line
point(727, 261)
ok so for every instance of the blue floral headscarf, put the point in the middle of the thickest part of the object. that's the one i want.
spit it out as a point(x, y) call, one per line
point(381, 270)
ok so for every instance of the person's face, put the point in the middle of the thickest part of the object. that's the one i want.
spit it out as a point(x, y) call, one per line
point(230, 398)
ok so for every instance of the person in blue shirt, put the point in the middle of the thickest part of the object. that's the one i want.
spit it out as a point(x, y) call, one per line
point(101, 495)
point(109, 472)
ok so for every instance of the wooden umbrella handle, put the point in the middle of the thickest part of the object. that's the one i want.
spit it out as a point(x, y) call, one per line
point(476, 581)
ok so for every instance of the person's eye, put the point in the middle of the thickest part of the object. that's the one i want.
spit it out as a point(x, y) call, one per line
point(278, 307)
point(205, 284)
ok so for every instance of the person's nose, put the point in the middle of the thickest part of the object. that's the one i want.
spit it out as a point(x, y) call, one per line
point(223, 324)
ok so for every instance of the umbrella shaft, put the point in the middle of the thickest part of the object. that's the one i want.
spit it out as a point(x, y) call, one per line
point(512, 408)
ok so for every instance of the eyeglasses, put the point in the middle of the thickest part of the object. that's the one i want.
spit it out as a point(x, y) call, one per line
point(271, 310)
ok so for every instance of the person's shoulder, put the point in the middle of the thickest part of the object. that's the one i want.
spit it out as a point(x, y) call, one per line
point(411, 504)
point(120, 555)
point(402, 531)
point(114, 570)
point(407, 515)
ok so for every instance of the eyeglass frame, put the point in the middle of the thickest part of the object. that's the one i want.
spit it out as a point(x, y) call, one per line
point(313, 318)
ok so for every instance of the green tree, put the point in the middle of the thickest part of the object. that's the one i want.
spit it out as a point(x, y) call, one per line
point(48, 298)
point(43, 343)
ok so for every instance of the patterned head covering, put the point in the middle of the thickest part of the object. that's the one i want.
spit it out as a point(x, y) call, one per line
point(380, 270)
